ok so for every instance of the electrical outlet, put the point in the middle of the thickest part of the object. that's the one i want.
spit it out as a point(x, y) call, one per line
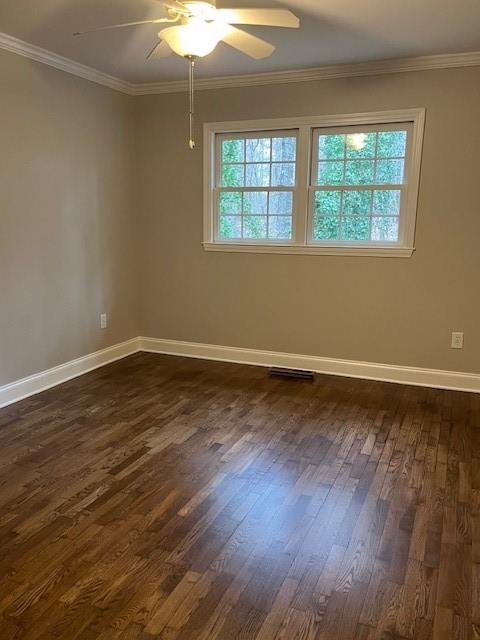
point(103, 321)
point(457, 340)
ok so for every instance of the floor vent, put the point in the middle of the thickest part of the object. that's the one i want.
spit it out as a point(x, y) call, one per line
point(298, 374)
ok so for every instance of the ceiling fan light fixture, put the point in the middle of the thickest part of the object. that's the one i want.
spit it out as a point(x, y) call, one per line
point(200, 26)
point(196, 38)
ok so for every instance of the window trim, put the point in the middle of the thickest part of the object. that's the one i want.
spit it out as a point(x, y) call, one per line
point(303, 189)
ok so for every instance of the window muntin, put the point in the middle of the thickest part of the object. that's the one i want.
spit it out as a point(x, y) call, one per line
point(381, 175)
point(358, 185)
point(256, 180)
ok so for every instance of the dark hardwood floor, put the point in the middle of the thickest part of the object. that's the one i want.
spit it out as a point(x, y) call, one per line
point(181, 499)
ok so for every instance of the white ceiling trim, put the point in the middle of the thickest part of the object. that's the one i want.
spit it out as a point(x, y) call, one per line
point(14, 45)
point(376, 67)
point(395, 65)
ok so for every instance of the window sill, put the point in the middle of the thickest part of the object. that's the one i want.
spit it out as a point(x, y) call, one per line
point(370, 252)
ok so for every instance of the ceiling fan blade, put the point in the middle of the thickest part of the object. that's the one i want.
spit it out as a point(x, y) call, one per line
point(262, 17)
point(160, 50)
point(121, 26)
point(248, 44)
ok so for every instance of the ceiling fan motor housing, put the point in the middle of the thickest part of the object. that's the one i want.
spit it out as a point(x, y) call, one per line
point(195, 8)
point(200, 6)
point(210, 4)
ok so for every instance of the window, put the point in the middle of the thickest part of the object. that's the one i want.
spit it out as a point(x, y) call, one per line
point(357, 181)
point(334, 185)
point(257, 177)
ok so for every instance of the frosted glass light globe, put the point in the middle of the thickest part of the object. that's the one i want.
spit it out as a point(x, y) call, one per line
point(195, 38)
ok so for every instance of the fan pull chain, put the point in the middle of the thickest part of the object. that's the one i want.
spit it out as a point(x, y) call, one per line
point(191, 115)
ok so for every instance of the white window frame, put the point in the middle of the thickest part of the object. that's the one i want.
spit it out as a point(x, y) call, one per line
point(304, 188)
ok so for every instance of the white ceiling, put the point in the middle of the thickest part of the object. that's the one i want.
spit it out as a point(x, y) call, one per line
point(332, 31)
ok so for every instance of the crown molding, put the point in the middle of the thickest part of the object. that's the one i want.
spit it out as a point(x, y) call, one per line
point(14, 45)
point(328, 72)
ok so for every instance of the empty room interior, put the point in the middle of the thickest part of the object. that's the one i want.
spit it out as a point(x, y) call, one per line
point(239, 320)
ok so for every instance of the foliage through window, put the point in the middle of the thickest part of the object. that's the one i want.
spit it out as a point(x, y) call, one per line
point(317, 186)
point(257, 181)
point(358, 178)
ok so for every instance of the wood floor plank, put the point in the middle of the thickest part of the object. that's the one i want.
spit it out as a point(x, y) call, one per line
point(163, 497)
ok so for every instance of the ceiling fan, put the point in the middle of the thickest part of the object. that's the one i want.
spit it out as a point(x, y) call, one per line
point(201, 26)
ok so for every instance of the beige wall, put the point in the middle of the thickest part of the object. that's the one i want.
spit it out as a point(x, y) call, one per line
point(101, 210)
point(395, 310)
point(67, 233)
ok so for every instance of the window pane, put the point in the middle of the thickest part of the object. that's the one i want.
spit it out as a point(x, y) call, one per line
point(359, 172)
point(255, 202)
point(330, 172)
point(283, 175)
point(233, 151)
point(331, 147)
point(257, 163)
point(232, 175)
point(361, 145)
point(386, 202)
point(255, 227)
point(257, 175)
point(389, 171)
point(258, 149)
point(281, 202)
point(360, 177)
point(284, 149)
point(357, 202)
point(328, 202)
point(280, 228)
point(231, 202)
point(356, 228)
point(385, 229)
point(392, 144)
point(230, 227)
point(326, 228)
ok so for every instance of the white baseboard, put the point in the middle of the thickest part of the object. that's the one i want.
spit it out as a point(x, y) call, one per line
point(435, 378)
point(348, 368)
point(26, 387)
